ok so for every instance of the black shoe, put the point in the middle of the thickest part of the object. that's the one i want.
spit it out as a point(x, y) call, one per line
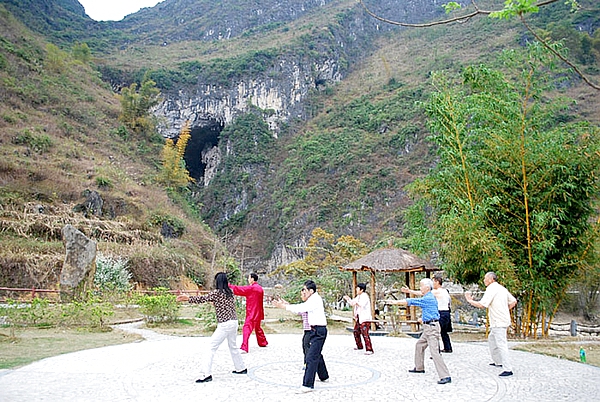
point(446, 351)
point(205, 379)
point(495, 365)
point(244, 371)
point(416, 371)
point(445, 380)
point(505, 374)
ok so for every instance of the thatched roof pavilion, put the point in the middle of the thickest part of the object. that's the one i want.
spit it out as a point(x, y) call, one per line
point(388, 260)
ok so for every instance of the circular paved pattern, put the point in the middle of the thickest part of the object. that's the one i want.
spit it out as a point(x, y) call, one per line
point(286, 374)
point(165, 369)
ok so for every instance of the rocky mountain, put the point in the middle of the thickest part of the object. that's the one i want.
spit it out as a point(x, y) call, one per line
point(303, 113)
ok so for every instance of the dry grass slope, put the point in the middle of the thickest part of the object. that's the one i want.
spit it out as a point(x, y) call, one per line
point(61, 139)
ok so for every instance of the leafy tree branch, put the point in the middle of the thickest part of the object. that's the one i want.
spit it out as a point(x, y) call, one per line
point(511, 9)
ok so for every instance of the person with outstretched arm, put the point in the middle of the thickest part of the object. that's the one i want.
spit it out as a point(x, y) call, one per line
point(255, 311)
point(498, 300)
point(315, 364)
point(227, 324)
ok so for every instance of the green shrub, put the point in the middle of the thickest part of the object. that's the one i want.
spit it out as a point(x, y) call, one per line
point(9, 118)
point(81, 52)
point(160, 307)
point(207, 315)
point(121, 132)
point(103, 182)
point(171, 226)
point(34, 314)
point(91, 313)
point(39, 143)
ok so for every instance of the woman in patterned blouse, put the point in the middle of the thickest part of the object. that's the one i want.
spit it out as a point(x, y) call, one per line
point(227, 324)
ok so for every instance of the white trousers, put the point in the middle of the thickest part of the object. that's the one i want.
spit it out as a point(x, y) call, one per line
point(225, 330)
point(499, 347)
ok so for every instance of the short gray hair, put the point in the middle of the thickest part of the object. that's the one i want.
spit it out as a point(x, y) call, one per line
point(427, 282)
point(492, 276)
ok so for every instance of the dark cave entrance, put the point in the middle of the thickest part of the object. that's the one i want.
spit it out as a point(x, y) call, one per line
point(202, 139)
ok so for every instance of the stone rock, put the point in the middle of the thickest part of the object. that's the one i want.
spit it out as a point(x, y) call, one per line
point(169, 231)
point(79, 268)
point(92, 205)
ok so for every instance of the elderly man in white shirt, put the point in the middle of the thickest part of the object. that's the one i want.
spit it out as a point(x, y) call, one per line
point(498, 300)
point(315, 364)
point(362, 317)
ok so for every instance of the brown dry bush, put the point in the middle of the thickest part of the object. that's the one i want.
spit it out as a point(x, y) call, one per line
point(25, 271)
point(152, 270)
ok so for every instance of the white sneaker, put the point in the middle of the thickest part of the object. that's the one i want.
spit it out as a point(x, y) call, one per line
point(243, 352)
point(304, 390)
point(325, 380)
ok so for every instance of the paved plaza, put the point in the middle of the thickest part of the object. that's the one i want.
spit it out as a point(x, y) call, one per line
point(163, 368)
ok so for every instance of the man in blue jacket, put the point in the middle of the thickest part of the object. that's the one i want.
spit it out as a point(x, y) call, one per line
point(431, 331)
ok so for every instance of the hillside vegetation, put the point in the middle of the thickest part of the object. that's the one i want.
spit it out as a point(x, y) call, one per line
point(60, 141)
point(345, 169)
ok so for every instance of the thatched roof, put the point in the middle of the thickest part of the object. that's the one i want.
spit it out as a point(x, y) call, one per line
point(390, 260)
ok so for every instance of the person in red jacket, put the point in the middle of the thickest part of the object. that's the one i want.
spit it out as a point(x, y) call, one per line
point(255, 312)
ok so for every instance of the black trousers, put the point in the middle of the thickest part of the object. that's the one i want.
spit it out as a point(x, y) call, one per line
point(315, 364)
point(305, 344)
point(445, 327)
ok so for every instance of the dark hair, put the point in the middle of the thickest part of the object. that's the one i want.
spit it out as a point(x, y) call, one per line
point(362, 286)
point(222, 285)
point(310, 284)
point(254, 276)
point(438, 279)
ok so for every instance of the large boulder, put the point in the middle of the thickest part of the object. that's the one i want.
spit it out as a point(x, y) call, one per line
point(79, 268)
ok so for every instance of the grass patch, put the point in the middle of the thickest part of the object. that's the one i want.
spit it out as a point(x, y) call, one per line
point(564, 349)
point(32, 344)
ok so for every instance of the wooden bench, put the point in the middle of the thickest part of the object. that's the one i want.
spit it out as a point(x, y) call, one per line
point(403, 316)
point(374, 331)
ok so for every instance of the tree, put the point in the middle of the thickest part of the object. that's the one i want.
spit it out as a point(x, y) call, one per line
point(81, 51)
point(515, 184)
point(512, 9)
point(174, 172)
point(588, 282)
point(136, 105)
point(324, 251)
point(323, 256)
point(55, 59)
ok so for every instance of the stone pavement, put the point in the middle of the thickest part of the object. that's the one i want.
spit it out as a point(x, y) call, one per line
point(163, 368)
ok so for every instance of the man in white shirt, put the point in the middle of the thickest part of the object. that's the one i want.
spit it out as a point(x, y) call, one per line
point(498, 300)
point(315, 364)
point(443, 298)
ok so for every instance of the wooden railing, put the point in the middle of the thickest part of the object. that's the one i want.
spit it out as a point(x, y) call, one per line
point(35, 292)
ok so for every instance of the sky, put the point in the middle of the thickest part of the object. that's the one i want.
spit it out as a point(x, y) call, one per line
point(114, 10)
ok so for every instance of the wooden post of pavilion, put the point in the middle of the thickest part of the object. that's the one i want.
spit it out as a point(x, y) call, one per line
point(373, 296)
point(412, 310)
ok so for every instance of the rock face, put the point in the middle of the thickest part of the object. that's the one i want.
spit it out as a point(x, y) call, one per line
point(282, 82)
point(281, 91)
point(277, 82)
point(77, 275)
